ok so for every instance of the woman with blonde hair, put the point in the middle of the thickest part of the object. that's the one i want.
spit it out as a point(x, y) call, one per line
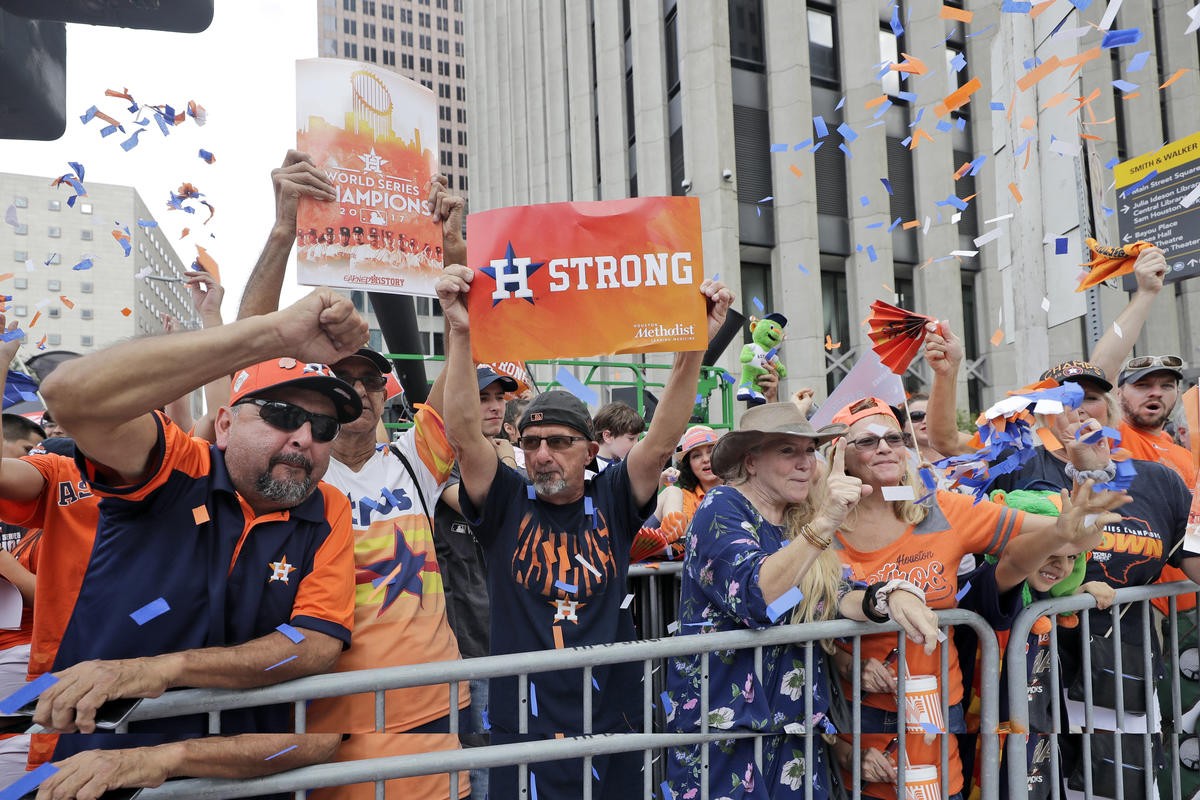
point(891, 536)
point(756, 554)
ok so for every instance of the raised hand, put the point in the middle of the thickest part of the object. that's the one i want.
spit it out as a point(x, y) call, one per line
point(9, 348)
point(452, 288)
point(1149, 269)
point(323, 327)
point(1086, 450)
point(943, 350)
point(448, 208)
point(843, 491)
point(207, 295)
point(297, 177)
point(719, 299)
point(1085, 512)
point(803, 400)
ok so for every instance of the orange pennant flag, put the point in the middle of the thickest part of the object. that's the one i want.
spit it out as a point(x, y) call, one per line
point(1109, 262)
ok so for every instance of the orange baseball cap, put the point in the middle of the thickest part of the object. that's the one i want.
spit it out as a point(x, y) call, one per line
point(859, 409)
point(288, 372)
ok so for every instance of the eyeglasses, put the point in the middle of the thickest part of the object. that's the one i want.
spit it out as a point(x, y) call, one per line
point(372, 383)
point(893, 439)
point(287, 417)
point(1141, 362)
point(917, 416)
point(559, 443)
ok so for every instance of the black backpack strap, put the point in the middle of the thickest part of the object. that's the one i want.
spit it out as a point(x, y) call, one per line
point(416, 483)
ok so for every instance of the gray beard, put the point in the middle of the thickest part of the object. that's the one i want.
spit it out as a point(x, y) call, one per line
point(548, 487)
point(287, 492)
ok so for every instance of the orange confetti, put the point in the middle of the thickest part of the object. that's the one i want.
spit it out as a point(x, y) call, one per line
point(997, 337)
point(207, 263)
point(959, 97)
point(124, 94)
point(42, 342)
point(957, 14)
point(186, 231)
point(6, 276)
point(918, 135)
point(1039, 8)
point(962, 170)
point(35, 319)
point(1129, 96)
point(1055, 100)
point(910, 225)
point(1037, 73)
point(796, 171)
point(910, 65)
point(66, 301)
point(875, 101)
point(1084, 101)
point(1080, 59)
point(1091, 137)
point(1049, 440)
point(1178, 74)
point(200, 514)
point(1029, 123)
point(125, 312)
point(830, 344)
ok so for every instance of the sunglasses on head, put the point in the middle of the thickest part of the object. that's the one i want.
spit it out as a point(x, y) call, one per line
point(870, 442)
point(917, 416)
point(372, 383)
point(1141, 362)
point(287, 417)
point(559, 443)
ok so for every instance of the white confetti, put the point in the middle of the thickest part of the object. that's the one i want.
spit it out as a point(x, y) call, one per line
point(673, 628)
point(964, 253)
point(988, 237)
point(879, 430)
point(1045, 304)
point(894, 493)
point(1048, 406)
point(998, 219)
point(1110, 14)
point(628, 599)
point(579, 557)
point(1071, 33)
point(1194, 194)
point(1117, 331)
point(926, 228)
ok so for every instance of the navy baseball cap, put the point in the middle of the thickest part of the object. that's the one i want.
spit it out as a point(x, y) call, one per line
point(487, 376)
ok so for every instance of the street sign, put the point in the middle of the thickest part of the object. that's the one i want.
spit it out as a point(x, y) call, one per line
point(1158, 196)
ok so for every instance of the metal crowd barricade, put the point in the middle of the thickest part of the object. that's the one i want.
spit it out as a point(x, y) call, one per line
point(655, 587)
point(1131, 600)
point(585, 746)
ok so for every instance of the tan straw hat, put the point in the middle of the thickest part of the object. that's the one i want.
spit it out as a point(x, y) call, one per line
point(760, 422)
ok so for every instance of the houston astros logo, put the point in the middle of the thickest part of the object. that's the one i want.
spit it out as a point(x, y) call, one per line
point(511, 275)
point(280, 570)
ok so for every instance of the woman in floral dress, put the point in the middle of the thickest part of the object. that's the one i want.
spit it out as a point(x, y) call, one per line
point(756, 556)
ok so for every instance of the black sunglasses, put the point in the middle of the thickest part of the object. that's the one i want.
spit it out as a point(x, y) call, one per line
point(917, 416)
point(559, 443)
point(372, 383)
point(287, 417)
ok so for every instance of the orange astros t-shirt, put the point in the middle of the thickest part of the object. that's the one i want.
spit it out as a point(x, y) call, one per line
point(927, 555)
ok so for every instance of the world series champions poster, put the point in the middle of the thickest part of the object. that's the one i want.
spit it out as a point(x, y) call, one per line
point(374, 133)
point(583, 279)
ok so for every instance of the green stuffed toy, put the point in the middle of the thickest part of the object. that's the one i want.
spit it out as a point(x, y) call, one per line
point(1048, 504)
point(766, 336)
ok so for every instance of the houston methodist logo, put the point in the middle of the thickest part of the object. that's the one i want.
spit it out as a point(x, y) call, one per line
point(584, 273)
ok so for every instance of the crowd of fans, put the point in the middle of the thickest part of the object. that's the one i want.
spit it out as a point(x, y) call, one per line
point(285, 534)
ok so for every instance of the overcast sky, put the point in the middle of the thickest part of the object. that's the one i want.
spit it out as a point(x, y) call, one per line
point(242, 70)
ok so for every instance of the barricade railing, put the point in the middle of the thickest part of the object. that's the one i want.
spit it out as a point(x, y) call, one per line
point(655, 587)
point(1105, 656)
point(585, 746)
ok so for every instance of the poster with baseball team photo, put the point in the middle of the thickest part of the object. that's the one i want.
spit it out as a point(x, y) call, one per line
point(374, 133)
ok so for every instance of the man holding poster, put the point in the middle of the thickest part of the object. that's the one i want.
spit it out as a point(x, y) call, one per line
point(559, 549)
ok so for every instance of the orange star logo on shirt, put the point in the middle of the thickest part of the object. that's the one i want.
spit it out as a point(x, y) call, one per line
point(280, 570)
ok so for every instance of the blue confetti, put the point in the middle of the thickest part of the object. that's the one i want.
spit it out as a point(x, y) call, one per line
point(930, 728)
point(871, 253)
point(287, 630)
point(88, 115)
point(784, 603)
point(131, 142)
point(822, 128)
point(977, 164)
point(897, 28)
point(997, 106)
point(26, 785)
point(1137, 62)
point(281, 752)
point(802, 145)
point(895, 222)
point(486, 723)
point(845, 150)
point(12, 335)
point(1131, 189)
point(532, 785)
point(1120, 38)
point(847, 132)
point(840, 103)
point(532, 701)
point(910, 97)
point(1030, 63)
point(530, 492)
point(1060, 246)
point(958, 62)
point(864, 201)
point(280, 663)
point(147, 223)
point(1108, 212)
point(1082, 5)
point(716, 276)
point(108, 130)
point(962, 592)
point(1125, 86)
point(816, 147)
point(775, 148)
point(575, 386)
point(27, 693)
point(155, 608)
point(1016, 6)
point(886, 185)
point(667, 705)
point(758, 304)
point(803, 269)
point(595, 684)
point(944, 126)
point(667, 794)
point(917, 118)
point(874, 225)
point(883, 108)
point(566, 587)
